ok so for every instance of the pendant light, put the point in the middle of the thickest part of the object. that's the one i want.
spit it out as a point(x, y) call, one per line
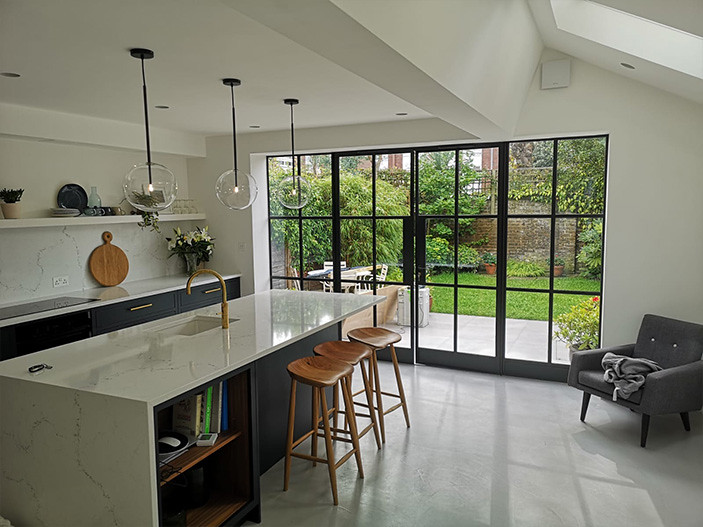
point(235, 188)
point(149, 187)
point(293, 191)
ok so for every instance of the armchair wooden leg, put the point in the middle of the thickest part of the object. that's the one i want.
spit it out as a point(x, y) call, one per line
point(645, 429)
point(584, 405)
point(686, 421)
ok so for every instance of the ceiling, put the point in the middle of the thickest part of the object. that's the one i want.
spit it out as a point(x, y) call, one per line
point(348, 61)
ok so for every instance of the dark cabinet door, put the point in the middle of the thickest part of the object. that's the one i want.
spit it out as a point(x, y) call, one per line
point(133, 312)
point(207, 295)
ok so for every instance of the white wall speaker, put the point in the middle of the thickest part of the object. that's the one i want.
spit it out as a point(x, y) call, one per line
point(556, 74)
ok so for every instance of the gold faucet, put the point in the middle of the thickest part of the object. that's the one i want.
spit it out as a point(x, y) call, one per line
point(225, 307)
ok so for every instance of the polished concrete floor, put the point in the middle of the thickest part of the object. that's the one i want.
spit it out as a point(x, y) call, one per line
point(502, 451)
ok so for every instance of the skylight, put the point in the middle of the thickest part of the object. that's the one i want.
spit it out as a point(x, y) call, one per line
point(631, 34)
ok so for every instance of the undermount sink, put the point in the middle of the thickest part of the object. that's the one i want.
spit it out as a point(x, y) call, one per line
point(194, 326)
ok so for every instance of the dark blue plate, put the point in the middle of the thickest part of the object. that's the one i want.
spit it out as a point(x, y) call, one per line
point(72, 196)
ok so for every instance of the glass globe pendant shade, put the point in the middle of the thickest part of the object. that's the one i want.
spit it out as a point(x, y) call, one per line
point(294, 192)
point(150, 194)
point(236, 189)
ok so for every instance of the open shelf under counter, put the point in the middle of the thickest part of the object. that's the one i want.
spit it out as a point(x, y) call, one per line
point(27, 223)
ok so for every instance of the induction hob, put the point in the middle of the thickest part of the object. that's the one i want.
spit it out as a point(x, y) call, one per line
point(42, 305)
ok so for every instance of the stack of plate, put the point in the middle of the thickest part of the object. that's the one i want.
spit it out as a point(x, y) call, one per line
point(65, 213)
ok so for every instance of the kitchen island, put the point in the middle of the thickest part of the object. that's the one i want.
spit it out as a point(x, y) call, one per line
point(78, 441)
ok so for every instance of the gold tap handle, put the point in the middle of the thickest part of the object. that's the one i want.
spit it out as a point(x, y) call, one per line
point(225, 315)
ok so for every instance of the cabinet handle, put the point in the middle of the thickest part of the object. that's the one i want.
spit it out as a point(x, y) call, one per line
point(212, 290)
point(140, 307)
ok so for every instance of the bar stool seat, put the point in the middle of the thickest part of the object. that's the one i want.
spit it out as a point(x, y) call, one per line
point(377, 339)
point(354, 353)
point(320, 373)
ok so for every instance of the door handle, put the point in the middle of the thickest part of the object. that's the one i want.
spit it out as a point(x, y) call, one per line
point(212, 291)
point(140, 307)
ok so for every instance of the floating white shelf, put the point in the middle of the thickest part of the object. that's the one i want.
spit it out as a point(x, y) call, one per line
point(91, 220)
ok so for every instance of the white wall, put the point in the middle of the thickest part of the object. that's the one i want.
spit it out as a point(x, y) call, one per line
point(30, 258)
point(653, 249)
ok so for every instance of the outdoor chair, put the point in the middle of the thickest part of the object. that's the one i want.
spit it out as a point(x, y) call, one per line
point(676, 346)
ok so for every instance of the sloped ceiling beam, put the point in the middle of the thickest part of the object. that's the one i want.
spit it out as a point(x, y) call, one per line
point(326, 29)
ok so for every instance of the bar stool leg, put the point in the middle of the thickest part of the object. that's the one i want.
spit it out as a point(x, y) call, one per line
point(398, 380)
point(335, 414)
point(351, 419)
point(315, 424)
point(379, 397)
point(328, 445)
point(368, 388)
point(289, 440)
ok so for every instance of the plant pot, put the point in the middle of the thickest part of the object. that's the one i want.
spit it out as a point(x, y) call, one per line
point(490, 268)
point(558, 270)
point(11, 211)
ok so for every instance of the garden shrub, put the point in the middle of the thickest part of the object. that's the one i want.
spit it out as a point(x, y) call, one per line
point(468, 256)
point(438, 251)
point(525, 269)
point(591, 254)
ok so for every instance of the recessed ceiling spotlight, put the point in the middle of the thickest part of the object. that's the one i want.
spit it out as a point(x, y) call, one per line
point(402, 113)
point(254, 126)
point(626, 65)
point(10, 74)
point(161, 107)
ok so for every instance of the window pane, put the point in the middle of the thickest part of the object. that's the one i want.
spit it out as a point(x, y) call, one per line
point(355, 191)
point(317, 244)
point(389, 250)
point(285, 251)
point(578, 252)
point(439, 250)
point(530, 177)
point(581, 175)
point(436, 329)
point(526, 326)
point(476, 322)
point(478, 181)
point(393, 184)
point(279, 168)
point(528, 253)
point(576, 322)
point(477, 238)
point(436, 177)
point(317, 170)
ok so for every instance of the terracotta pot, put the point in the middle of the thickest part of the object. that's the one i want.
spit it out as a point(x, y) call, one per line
point(490, 268)
point(11, 211)
point(558, 270)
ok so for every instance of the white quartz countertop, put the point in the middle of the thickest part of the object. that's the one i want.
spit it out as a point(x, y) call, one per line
point(152, 364)
point(109, 295)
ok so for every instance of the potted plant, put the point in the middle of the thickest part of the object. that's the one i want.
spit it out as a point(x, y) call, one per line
point(579, 326)
point(10, 202)
point(489, 262)
point(558, 266)
point(195, 247)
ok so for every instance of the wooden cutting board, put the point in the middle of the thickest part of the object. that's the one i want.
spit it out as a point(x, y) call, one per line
point(108, 263)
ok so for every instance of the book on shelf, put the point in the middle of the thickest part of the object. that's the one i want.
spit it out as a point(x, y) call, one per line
point(216, 413)
point(224, 423)
point(187, 415)
point(207, 411)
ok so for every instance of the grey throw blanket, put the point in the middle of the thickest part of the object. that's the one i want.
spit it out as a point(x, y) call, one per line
point(626, 373)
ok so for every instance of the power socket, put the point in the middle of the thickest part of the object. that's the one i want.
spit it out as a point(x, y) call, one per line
point(60, 281)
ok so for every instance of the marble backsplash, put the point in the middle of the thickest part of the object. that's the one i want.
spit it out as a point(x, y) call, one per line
point(31, 258)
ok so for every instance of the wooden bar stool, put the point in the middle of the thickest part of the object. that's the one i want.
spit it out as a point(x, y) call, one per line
point(378, 339)
point(353, 353)
point(320, 373)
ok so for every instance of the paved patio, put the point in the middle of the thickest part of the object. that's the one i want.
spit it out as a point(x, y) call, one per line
point(525, 339)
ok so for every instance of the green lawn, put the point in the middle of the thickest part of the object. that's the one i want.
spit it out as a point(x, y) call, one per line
point(521, 305)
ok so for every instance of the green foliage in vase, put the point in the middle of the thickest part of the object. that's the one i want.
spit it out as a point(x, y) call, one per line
point(489, 258)
point(198, 242)
point(11, 195)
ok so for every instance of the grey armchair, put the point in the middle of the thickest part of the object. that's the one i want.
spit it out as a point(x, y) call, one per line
point(678, 388)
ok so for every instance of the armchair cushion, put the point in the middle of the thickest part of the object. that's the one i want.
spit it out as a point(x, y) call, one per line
point(591, 360)
point(669, 342)
point(594, 379)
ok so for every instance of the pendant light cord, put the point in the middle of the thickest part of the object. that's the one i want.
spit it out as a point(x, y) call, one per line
point(146, 121)
point(234, 139)
point(292, 154)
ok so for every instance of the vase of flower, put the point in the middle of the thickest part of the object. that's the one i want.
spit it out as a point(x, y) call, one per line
point(195, 247)
point(191, 262)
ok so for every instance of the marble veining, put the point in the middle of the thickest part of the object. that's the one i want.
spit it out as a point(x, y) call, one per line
point(31, 258)
point(152, 363)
